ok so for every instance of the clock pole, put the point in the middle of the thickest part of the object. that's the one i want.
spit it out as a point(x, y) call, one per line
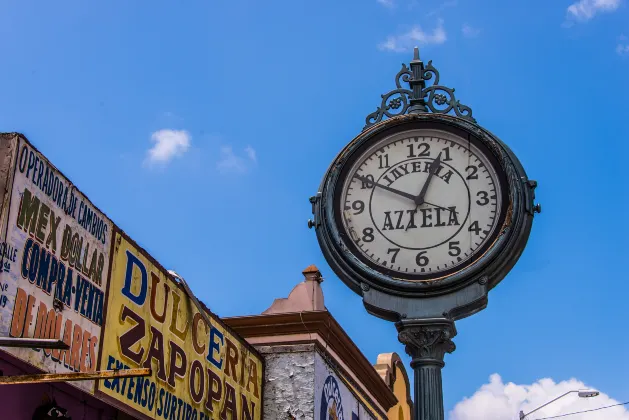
point(427, 341)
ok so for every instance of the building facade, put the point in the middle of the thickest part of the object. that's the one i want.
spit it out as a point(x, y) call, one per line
point(313, 369)
point(69, 274)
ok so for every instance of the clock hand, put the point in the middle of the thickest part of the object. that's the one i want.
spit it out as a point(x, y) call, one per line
point(442, 208)
point(384, 187)
point(434, 166)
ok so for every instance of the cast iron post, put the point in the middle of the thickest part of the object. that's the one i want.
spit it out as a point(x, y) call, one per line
point(427, 341)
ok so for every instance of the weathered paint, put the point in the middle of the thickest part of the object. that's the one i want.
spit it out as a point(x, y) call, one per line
point(199, 371)
point(289, 377)
point(55, 247)
point(333, 398)
point(8, 146)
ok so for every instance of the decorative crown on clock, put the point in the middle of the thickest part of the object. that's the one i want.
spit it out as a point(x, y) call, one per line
point(400, 101)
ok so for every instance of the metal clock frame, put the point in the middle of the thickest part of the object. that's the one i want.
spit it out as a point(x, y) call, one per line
point(438, 280)
point(493, 264)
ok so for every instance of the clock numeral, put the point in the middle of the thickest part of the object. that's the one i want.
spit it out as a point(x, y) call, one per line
point(395, 252)
point(423, 150)
point(484, 197)
point(384, 161)
point(474, 228)
point(472, 172)
point(455, 251)
point(447, 154)
point(421, 259)
point(368, 234)
point(367, 185)
point(411, 148)
point(426, 150)
point(359, 206)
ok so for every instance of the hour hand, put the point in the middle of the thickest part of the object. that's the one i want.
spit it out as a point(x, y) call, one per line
point(384, 187)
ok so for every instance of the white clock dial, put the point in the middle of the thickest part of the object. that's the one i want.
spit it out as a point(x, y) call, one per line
point(422, 202)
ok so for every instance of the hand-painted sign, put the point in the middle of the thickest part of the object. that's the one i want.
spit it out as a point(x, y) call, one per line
point(333, 400)
point(54, 266)
point(200, 371)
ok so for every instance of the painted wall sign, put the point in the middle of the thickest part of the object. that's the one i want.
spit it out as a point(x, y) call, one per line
point(199, 371)
point(333, 399)
point(54, 266)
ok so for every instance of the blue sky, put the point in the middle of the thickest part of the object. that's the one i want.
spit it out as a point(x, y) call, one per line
point(201, 128)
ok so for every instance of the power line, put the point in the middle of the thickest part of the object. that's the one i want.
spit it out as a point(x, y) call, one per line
point(585, 411)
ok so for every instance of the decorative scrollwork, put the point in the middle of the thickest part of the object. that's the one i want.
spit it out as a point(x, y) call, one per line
point(396, 102)
point(436, 98)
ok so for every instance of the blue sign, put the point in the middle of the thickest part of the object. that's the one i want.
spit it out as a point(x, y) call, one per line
point(331, 402)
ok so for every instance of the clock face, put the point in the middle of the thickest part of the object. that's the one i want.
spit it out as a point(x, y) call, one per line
point(421, 204)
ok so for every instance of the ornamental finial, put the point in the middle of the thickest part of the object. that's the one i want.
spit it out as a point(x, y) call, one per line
point(417, 85)
point(416, 54)
point(418, 98)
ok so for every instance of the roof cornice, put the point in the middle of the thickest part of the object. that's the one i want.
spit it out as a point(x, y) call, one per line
point(325, 326)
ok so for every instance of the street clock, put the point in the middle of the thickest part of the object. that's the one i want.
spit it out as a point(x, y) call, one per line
point(422, 214)
point(423, 204)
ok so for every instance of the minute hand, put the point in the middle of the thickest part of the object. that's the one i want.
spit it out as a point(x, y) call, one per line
point(434, 166)
point(384, 187)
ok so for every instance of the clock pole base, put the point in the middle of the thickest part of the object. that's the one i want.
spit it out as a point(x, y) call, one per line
point(427, 341)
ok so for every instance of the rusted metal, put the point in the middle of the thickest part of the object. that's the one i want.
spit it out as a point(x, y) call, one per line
point(73, 376)
point(34, 343)
point(508, 219)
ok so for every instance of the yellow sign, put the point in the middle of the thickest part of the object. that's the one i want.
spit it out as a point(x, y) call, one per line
point(199, 372)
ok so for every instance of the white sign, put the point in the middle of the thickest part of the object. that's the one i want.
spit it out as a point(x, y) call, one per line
point(55, 266)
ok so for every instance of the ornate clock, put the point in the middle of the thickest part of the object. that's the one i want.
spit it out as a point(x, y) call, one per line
point(421, 201)
point(423, 204)
point(422, 214)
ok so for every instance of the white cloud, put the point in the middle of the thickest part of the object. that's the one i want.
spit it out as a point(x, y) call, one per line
point(233, 163)
point(168, 144)
point(470, 31)
point(499, 401)
point(251, 153)
point(386, 3)
point(622, 49)
point(623, 45)
point(584, 10)
point(445, 5)
point(407, 40)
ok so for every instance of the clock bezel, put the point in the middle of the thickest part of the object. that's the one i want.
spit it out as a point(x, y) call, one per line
point(503, 250)
point(372, 142)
